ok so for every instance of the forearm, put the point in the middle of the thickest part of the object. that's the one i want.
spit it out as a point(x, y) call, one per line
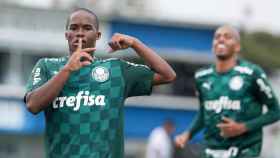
point(265, 96)
point(271, 116)
point(196, 125)
point(39, 98)
point(158, 64)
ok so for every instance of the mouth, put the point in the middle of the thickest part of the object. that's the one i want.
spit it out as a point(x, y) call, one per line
point(221, 47)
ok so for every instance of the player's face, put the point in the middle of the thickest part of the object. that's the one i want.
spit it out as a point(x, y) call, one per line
point(82, 25)
point(225, 43)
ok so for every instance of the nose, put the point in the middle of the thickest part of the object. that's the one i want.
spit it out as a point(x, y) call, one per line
point(221, 39)
point(80, 33)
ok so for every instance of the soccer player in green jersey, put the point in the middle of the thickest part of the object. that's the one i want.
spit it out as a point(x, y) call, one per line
point(83, 96)
point(231, 94)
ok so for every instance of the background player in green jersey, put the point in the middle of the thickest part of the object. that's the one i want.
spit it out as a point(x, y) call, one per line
point(231, 94)
point(83, 96)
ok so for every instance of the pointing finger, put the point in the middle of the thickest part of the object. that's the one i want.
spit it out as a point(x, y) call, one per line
point(80, 44)
point(222, 125)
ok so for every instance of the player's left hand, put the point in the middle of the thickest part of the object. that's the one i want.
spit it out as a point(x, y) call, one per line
point(230, 128)
point(120, 41)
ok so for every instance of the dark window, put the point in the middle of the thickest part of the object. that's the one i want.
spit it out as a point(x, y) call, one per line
point(4, 64)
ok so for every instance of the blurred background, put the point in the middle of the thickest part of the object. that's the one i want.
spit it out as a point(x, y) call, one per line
point(181, 31)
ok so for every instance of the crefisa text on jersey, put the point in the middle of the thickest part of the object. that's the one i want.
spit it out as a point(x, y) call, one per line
point(222, 103)
point(82, 98)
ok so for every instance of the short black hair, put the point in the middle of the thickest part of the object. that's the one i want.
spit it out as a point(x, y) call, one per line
point(86, 10)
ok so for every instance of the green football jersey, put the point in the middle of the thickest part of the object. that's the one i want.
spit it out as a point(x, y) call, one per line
point(86, 119)
point(238, 94)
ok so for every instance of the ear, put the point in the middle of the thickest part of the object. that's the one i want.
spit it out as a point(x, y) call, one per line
point(98, 35)
point(237, 47)
point(66, 34)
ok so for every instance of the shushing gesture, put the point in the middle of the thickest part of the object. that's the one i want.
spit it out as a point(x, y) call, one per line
point(120, 41)
point(80, 58)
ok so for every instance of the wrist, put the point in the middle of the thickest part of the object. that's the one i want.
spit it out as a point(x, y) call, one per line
point(66, 69)
point(187, 134)
point(243, 128)
point(135, 43)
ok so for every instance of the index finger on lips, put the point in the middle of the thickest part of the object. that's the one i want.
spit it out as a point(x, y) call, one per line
point(80, 45)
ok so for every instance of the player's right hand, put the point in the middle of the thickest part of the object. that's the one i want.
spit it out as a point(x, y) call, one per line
point(80, 58)
point(182, 139)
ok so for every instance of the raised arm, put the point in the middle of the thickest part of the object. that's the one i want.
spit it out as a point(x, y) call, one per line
point(164, 72)
point(39, 98)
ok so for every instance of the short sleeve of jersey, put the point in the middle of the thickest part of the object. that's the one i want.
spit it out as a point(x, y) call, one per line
point(138, 79)
point(38, 76)
point(263, 89)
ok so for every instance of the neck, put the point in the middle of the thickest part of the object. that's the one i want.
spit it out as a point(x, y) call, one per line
point(225, 65)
